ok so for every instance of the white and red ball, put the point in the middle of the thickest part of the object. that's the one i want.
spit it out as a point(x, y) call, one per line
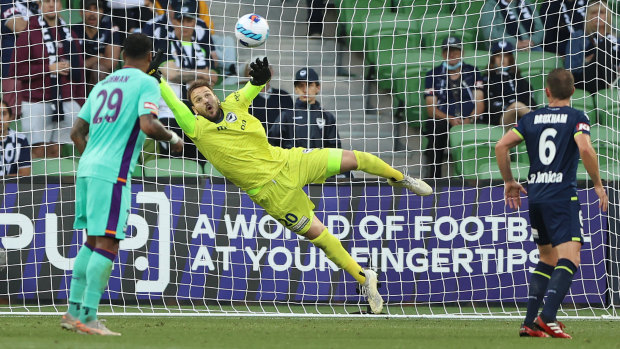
point(252, 30)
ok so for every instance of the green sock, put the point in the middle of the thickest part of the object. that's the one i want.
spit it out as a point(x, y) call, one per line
point(371, 164)
point(97, 276)
point(78, 279)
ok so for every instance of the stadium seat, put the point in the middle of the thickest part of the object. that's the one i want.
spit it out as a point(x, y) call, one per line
point(171, 167)
point(583, 100)
point(54, 167)
point(606, 142)
point(358, 21)
point(537, 82)
point(399, 64)
point(478, 58)
point(608, 107)
point(532, 63)
point(69, 151)
point(388, 40)
point(418, 9)
point(473, 148)
point(471, 9)
point(408, 98)
point(209, 170)
point(435, 29)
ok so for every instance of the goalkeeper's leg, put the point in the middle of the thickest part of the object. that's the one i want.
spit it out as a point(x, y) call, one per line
point(323, 239)
point(362, 161)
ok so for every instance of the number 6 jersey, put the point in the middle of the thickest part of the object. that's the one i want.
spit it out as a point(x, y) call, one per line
point(113, 111)
point(549, 137)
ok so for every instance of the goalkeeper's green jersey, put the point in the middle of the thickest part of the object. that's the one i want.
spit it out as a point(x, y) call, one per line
point(236, 144)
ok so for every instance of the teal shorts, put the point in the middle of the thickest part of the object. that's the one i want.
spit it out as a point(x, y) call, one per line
point(102, 207)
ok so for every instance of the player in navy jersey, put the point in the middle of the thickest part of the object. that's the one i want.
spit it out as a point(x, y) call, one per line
point(555, 137)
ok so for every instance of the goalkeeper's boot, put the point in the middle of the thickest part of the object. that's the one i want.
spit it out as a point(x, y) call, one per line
point(95, 327)
point(369, 288)
point(531, 331)
point(415, 185)
point(554, 329)
point(69, 322)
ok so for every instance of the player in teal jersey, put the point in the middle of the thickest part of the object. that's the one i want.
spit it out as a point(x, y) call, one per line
point(119, 111)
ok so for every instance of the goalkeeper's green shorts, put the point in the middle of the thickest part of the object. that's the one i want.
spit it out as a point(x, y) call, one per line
point(102, 207)
point(284, 198)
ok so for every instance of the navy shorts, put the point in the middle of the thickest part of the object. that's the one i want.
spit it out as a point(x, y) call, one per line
point(556, 222)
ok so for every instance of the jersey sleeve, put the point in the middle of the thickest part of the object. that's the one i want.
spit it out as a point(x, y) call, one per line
point(582, 125)
point(183, 115)
point(85, 111)
point(520, 129)
point(246, 95)
point(149, 98)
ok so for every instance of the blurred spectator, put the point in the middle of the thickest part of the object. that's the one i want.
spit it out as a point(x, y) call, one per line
point(308, 125)
point(561, 18)
point(13, 20)
point(509, 95)
point(516, 21)
point(101, 42)
point(592, 56)
point(130, 15)
point(269, 103)
point(203, 11)
point(454, 96)
point(186, 41)
point(14, 147)
point(316, 16)
point(48, 61)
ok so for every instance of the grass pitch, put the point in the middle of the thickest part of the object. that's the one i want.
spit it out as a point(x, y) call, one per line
point(293, 333)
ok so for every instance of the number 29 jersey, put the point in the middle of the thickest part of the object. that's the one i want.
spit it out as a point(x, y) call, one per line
point(113, 111)
point(549, 137)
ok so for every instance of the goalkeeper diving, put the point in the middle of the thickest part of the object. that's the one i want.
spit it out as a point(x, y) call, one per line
point(236, 145)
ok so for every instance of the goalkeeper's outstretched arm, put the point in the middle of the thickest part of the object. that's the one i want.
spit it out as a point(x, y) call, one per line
point(184, 116)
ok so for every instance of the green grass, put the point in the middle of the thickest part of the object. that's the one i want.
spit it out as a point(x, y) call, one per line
point(293, 333)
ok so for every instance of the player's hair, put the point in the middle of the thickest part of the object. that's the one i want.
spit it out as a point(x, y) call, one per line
point(196, 84)
point(561, 83)
point(137, 46)
point(7, 106)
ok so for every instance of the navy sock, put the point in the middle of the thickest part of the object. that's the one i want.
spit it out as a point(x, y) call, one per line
point(538, 286)
point(559, 284)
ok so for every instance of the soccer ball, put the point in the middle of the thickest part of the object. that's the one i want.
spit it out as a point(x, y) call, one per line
point(252, 30)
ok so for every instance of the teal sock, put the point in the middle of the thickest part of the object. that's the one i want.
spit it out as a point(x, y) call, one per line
point(97, 276)
point(78, 279)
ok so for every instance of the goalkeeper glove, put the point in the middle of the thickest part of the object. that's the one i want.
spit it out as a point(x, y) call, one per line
point(153, 69)
point(260, 72)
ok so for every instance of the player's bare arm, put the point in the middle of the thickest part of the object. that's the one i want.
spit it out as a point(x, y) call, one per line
point(79, 133)
point(512, 189)
point(154, 129)
point(590, 162)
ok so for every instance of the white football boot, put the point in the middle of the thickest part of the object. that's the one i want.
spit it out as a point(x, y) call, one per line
point(95, 327)
point(415, 185)
point(69, 322)
point(369, 289)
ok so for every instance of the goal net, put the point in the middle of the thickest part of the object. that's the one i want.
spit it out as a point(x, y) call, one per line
point(197, 244)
